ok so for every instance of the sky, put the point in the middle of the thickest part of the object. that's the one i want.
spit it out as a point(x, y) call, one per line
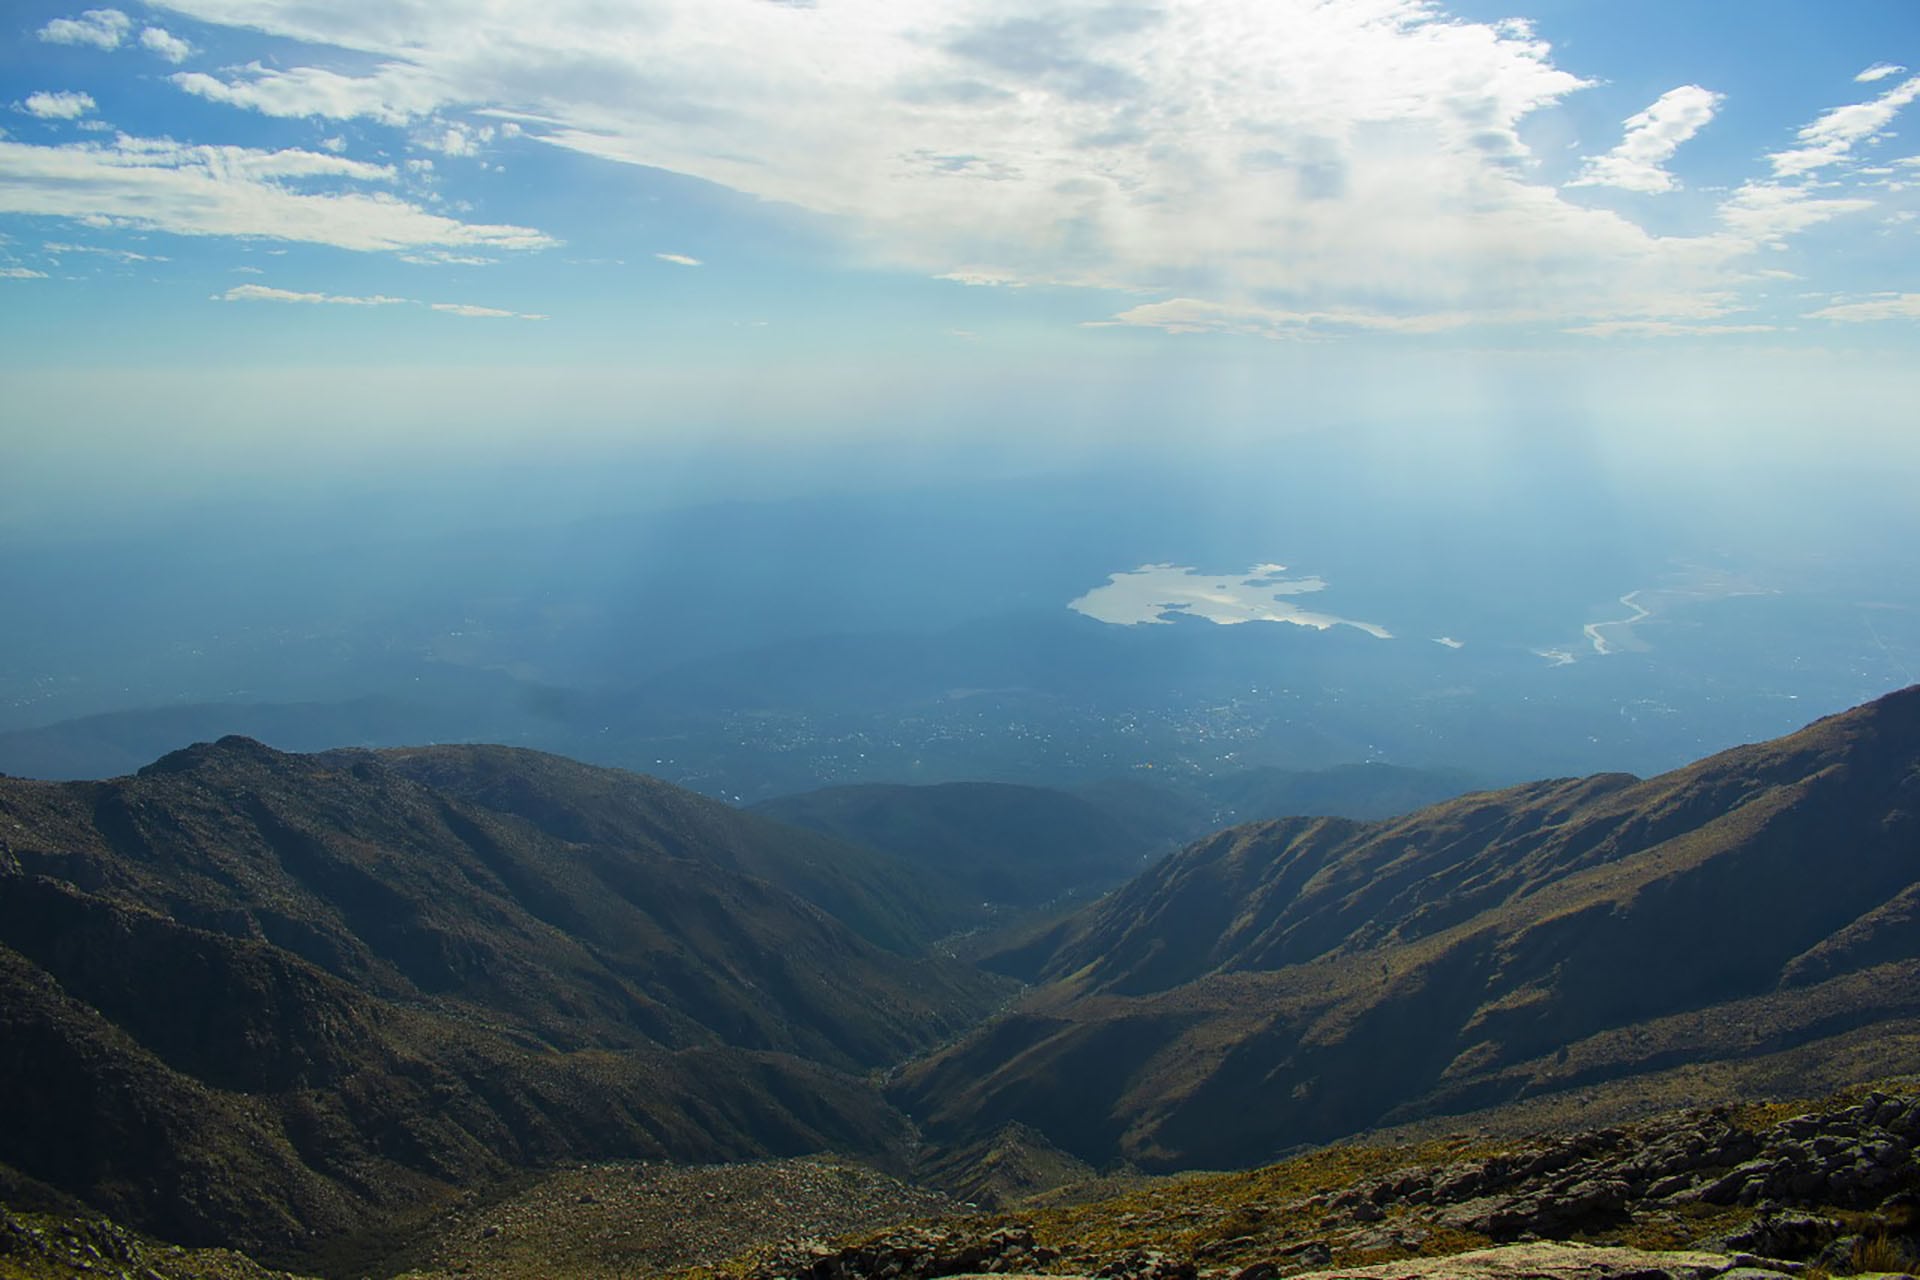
point(264, 237)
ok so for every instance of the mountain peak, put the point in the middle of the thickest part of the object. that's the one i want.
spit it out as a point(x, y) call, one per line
point(233, 748)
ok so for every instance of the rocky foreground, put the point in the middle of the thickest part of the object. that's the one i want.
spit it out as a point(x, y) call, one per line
point(1715, 1193)
point(1719, 1194)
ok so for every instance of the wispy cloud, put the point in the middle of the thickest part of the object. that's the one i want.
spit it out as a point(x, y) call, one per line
point(101, 28)
point(1879, 71)
point(21, 273)
point(1881, 306)
point(1195, 315)
point(119, 255)
point(983, 277)
point(58, 106)
point(262, 293)
point(482, 313)
point(1666, 329)
point(1767, 212)
point(1652, 138)
point(161, 185)
point(441, 258)
point(394, 93)
point(1832, 138)
point(266, 293)
point(679, 259)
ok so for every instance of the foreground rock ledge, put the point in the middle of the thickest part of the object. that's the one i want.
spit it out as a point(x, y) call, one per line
point(1547, 1260)
point(1544, 1260)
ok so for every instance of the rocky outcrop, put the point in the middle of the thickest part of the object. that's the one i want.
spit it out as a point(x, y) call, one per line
point(1852, 1157)
point(901, 1257)
point(1837, 1187)
point(41, 1245)
point(919, 1253)
point(1549, 1261)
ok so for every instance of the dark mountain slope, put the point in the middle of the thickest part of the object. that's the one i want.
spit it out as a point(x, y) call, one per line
point(649, 819)
point(1294, 981)
point(412, 893)
point(999, 843)
point(269, 999)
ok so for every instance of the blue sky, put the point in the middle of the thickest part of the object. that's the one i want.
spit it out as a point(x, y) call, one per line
point(361, 219)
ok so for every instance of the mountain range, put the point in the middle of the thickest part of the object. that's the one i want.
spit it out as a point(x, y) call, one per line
point(295, 1003)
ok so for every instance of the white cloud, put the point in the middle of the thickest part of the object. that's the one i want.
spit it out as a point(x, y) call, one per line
point(21, 273)
point(394, 94)
point(679, 259)
point(441, 258)
point(1194, 315)
point(1832, 137)
point(1653, 136)
point(160, 41)
point(158, 184)
point(262, 293)
point(1879, 71)
point(1326, 164)
point(1315, 148)
point(456, 139)
point(482, 313)
point(101, 28)
point(1666, 329)
point(122, 255)
point(1882, 306)
point(58, 106)
point(983, 277)
point(1765, 212)
point(266, 293)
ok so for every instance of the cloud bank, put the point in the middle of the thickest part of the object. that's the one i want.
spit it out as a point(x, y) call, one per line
point(1264, 167)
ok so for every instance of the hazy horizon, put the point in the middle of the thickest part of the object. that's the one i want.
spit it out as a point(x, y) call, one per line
point(600, 378)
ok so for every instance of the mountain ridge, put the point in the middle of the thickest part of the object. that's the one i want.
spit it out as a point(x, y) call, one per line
point(1348, 975)
point(266, 999)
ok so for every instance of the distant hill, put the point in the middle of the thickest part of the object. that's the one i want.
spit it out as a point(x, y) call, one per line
point(114, 743)
point(257, 998)
point(1362, 791)
point(1295, 981)
point(1185, 807)
point(995, 842)
point(1008, 845)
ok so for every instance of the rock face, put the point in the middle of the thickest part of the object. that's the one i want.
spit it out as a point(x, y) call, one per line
point(1295, 982)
